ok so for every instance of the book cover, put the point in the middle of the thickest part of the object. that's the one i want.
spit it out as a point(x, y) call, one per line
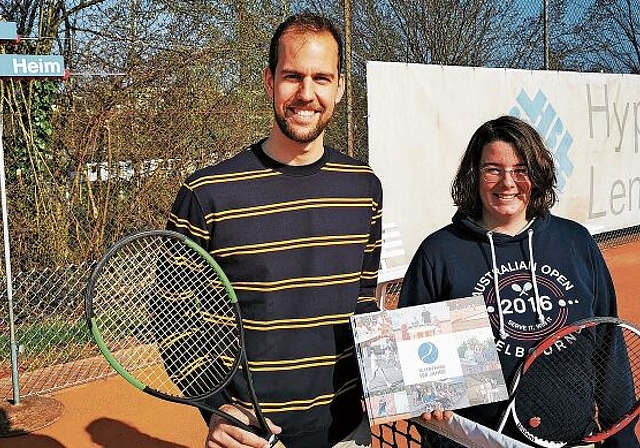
point(415, 359)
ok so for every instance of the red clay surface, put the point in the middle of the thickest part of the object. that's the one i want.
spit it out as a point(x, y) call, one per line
point(111, 413)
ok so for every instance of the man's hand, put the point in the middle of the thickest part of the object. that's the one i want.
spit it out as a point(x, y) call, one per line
point(223, 434)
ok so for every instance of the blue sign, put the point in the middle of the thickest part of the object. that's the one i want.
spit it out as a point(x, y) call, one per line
point(543, 116)
point(32, 66)
point(8, 32)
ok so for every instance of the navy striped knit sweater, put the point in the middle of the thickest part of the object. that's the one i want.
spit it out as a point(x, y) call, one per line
point(301, 246)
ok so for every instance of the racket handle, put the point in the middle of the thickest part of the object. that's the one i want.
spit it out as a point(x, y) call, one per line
point(274, 442)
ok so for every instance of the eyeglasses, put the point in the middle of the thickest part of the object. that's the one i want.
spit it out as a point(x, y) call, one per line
point(493, 174)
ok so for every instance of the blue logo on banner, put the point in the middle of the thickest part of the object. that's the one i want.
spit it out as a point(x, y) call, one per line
point(428, 352)
point(542, 116)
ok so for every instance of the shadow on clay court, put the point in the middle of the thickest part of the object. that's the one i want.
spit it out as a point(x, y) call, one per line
point(33, 441)
point(26, 439)
point(110, 433)
point(104, 433)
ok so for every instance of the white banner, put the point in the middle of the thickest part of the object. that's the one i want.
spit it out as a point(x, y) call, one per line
point(421, 118)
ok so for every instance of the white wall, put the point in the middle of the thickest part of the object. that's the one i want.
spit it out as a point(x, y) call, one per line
point(421, 118)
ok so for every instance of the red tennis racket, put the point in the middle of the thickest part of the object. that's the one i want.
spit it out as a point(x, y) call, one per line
point(579, 385)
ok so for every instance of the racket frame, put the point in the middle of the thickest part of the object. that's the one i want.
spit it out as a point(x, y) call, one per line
point(538, 350)
point(263, 430)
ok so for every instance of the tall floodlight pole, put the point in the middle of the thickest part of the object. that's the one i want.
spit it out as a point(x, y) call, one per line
point(545, 32)
point(347, 50)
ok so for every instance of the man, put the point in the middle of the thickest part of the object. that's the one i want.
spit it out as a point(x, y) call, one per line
point(376, 368)
point(296, 226)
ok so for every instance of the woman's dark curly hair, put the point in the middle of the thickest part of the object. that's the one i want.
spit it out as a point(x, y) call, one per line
point(465, 189)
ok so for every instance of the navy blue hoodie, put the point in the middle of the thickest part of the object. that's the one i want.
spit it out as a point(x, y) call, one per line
point(549, 275)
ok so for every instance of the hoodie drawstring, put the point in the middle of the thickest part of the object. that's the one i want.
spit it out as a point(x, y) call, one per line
point(532, 266)
point(502, 331)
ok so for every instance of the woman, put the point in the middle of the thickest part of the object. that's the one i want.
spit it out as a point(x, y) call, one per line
point(537, 272)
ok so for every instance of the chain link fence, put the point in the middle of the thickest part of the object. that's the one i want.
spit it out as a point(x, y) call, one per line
point(53, 344)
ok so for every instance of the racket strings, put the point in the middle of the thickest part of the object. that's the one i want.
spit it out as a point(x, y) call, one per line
point(618, 384)
point(554, 399)
point(582, 385)
point(165, 316)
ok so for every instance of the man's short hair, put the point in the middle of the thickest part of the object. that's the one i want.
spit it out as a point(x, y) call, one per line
point(303, 22)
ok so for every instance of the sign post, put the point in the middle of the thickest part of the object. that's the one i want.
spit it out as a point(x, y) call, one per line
point(18, 66)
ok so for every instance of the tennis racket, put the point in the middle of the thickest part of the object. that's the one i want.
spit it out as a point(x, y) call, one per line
point(166, 318)
point(579, 385)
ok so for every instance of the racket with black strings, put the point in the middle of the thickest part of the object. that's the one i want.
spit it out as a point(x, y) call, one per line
point(166, 318)
point(580, 385)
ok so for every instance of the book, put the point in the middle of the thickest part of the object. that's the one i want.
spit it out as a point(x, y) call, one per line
point(415, 359)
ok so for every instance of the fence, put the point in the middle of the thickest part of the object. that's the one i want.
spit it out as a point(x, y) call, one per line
point(107, 153)
point(56, 350)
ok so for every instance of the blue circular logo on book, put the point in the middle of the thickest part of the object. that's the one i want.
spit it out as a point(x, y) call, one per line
point(428, 352)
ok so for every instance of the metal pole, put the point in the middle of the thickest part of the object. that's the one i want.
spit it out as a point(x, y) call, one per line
point(7, 258)
point(545, 32)
point(348, 87)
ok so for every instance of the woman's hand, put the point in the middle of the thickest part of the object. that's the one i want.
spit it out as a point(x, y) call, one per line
point(437, 414)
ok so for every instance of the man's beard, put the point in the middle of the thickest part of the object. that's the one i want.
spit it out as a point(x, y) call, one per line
point(308, 135)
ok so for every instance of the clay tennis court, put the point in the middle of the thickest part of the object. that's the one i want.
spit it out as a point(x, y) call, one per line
point(111, 413)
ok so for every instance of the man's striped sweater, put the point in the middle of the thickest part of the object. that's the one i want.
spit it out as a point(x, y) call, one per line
point(301, 246)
